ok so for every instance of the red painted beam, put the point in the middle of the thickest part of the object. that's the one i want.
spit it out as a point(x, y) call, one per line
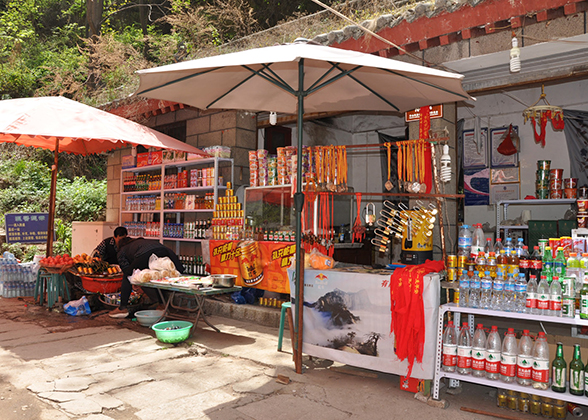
point(447, 23)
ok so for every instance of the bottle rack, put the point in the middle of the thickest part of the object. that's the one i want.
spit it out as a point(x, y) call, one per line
point(160, 193)
point(455, 377)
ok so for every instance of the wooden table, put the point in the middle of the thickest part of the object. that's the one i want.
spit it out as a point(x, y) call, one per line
point(200, 296)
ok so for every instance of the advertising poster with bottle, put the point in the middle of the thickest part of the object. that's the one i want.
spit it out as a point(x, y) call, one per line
point(262, 265)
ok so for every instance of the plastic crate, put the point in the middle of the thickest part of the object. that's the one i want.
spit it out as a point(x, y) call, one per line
point(564, 227)
point(541, 229)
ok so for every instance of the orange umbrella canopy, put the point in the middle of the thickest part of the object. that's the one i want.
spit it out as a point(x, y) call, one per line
point(80, 129)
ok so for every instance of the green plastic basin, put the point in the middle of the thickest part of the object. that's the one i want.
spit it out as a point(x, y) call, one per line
point(178, 335)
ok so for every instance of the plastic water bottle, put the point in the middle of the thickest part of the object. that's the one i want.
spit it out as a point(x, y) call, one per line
point(486, 298)
point(520, 294)
point(464, 241)
point(508, 358)
point(509, 294)
point(449, 348)
point(479, 352)
point(524, 359)
point(475, 290)
point(498, 246)
point(540, 369)
point(508, 246)
point(543, 297)
point(498, 294)
point(519, 247)
point(493, 349)
point(464, 290)
point(555, 297)
point(531, 296)
point(464, 350)
point(489, 247)
point(478, 240)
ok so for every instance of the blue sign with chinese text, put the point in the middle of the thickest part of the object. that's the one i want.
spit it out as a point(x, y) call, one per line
point(26, 227)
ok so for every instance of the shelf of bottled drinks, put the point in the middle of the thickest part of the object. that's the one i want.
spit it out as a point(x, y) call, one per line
point(496, 280)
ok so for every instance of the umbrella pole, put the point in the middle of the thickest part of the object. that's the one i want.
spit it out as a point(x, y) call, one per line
point(298, 204)
point(52, 195)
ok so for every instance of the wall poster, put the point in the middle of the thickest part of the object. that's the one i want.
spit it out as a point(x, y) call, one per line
point(498, 159)
point(502, 192)
point(476, 186)
point(475, 154)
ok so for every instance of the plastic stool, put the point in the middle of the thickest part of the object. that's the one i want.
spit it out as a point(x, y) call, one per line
point(285, 307)
point(56, 286)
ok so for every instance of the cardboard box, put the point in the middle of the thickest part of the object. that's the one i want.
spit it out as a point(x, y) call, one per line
point(142, 160)
point(193, 156)
point(128, 161)
point(168, 156)
point(415, 385)
point(156, 158)
point(179, 156)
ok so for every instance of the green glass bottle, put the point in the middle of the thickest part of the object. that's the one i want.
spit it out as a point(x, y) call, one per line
point(577, 373)
point(558, 371)
point(584, 297)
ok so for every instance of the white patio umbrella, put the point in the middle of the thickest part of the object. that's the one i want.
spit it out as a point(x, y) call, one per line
point(298, 78)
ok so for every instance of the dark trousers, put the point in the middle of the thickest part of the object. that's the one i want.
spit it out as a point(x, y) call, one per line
point(141, 263)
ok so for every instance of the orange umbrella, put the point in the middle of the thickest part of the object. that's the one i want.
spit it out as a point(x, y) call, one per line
point(62, 125)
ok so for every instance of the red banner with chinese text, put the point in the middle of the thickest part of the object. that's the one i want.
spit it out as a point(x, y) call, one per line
point(262, 265)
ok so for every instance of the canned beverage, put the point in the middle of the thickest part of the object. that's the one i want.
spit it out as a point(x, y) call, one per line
point(451, 274)
point(460, 272)
point(511, 400)
point(544, 165)
point(546, 407)
point(575, 410)
point(554, 243)
point(523, 402)
point(455, 296)
point(462, 261)
point(452, 261)
point(560, 412)
point(250, 263)
point(501, 398)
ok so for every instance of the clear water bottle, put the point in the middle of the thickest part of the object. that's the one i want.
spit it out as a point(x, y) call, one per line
point(449, 348)
point(519, 247)
point(493, 349)
point(543, 297)
point(464, 351)
point(520, 294)
point(509, 294)
point(508, 358)
point(489, 247)
point(555, 297)
point(478, 240)
point(531, 296)
point(525, 359)
point(475, 290)
point(508, 245)
point(498, 246)
point(479, 352)
point(540, 369)
point(498, 294)
point(464, 241)
point(464, 289)
point(486, 297)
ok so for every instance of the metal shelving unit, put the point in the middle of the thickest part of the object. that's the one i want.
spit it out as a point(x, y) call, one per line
point(455, 377)
point(506, 203)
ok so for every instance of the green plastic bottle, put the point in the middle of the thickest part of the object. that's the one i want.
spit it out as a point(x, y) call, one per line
point(559, 264)
point(547, 269)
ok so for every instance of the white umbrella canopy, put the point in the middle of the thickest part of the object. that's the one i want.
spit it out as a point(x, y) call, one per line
point(266, 79)
point(62, 125)
point(298, 78)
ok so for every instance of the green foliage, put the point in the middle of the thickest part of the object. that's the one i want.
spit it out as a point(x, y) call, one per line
point(80, 199)
point(62, 244)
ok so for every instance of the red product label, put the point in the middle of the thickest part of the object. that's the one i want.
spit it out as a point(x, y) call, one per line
point(542, 304)
point(449, 359)
point(540, 375)
point(524, 373)
point(478, 364)
point(536, 264)
point(524, 263)
point(555, 305)
point(464, 362)
point(508, 365)
point(492, 367)
point(531, 301)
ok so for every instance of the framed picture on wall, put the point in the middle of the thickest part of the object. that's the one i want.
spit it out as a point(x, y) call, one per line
point(475, 153)
point(502, 192)
point(504, 175)
point(476, 184)
point(498, 159)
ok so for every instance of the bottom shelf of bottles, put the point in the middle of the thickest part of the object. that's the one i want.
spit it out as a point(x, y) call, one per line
point(514, 386)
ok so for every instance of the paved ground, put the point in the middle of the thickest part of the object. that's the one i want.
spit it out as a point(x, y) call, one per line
point(54, 367)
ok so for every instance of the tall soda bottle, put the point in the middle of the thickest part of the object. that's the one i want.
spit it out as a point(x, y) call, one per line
point(464, 351)
point(520, 294)
point(486, 298)
point(449, 348)
point(464, 241)
point(536, 263)
point(555, 297)
point(547, 269)
point(525, 262)
point(493, 349)
point(540, 370)
point(543, 296)
point(497, 303)
point(558, 371)
point(524, 359)
point(478, 239)
point(489, 247)
point(479, 352)
point(508, 358)
point(573, 269)
point(475, 290)
point(531, 302)
point(464, 290)
point(584, 298)
point(559, 264)
point(577, 373)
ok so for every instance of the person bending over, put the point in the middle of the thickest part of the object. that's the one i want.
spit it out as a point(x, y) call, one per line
point(107, 249)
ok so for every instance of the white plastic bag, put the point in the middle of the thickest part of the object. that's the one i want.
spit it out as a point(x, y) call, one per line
point(161, 264)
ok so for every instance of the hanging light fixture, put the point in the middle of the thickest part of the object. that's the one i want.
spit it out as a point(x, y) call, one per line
point(543, 113)
point(515, 55)
point(273, 118)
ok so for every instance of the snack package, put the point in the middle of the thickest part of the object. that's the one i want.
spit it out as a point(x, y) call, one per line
point(320, 261)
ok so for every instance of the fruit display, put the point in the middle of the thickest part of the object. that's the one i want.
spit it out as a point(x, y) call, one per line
point(57, 261)
point(88, 265)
